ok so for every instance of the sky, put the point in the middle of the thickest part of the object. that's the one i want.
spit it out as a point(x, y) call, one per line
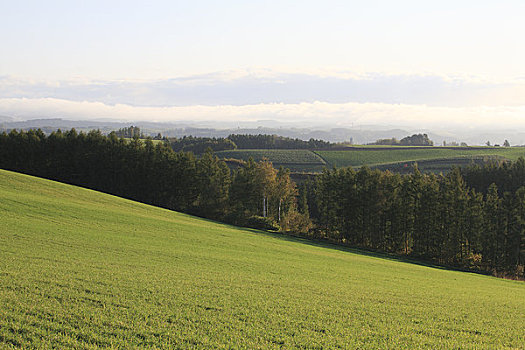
point(419, 63)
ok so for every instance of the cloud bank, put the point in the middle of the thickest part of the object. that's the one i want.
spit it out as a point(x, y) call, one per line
point(294, 99)
point(266, 87)
point(304, 114)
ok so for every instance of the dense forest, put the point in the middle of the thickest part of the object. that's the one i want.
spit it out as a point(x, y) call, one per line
point(441, 218)
point(199, 145)
point(472, 218)
point(276, 142)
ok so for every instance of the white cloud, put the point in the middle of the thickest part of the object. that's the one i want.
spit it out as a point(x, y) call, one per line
point(304, 114)
point(324, 98)
point(268, 86)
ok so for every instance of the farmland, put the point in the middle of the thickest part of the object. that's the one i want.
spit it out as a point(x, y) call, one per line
point(382, 155)
point(394, 158)
point(81, 269)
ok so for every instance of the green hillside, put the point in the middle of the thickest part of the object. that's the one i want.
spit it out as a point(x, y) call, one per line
point(81, 269)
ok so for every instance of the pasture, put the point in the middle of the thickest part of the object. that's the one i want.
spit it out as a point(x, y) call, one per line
point(359, 156)
point(85, 270)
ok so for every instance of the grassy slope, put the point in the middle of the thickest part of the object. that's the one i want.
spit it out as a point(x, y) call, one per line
point(399, 154)
point(83, 269)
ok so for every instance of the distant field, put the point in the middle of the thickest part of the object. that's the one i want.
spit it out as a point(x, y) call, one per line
point(84, 270)
point(295, 160)
point(397, 158)
point(380, 155)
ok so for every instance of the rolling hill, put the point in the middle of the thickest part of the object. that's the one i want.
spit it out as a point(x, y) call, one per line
point(82, 269)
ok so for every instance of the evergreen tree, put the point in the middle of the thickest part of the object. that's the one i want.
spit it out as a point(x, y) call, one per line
point(491, 252)
point(213, 182)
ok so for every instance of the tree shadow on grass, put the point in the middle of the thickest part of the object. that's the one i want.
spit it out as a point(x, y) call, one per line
point(323, 243)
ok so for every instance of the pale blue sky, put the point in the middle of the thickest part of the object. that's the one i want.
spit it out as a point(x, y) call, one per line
point(164, 39)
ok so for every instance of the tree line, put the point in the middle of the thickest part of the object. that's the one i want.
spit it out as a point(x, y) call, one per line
point(472, 218)
point(199, 145)
point(255, 195)
point(276, 142)
point(414, 140)
point(445, 219)
point(130, 132)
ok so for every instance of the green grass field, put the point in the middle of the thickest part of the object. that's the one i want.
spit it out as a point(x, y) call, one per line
point(84, 270)
point(375, 155)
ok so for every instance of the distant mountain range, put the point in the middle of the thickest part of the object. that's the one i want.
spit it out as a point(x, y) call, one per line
point(178, 130)
point(361, 135)
point(4, 118)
